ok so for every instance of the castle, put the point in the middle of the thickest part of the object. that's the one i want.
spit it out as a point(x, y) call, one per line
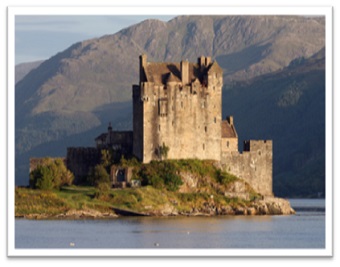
point(178, 106)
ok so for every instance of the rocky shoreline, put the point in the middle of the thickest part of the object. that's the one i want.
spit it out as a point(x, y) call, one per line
point(266, 206)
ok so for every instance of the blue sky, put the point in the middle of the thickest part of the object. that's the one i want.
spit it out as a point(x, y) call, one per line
point(39, 37)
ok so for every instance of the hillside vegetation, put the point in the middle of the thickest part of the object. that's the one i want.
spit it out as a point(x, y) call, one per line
point(200, 189)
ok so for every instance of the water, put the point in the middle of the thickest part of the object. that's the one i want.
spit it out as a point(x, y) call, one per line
point(306, 229)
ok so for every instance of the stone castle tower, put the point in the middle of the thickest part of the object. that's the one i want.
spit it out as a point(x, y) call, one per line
point(178, 105)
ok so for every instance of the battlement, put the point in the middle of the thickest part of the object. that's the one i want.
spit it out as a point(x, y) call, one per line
point(255, 145)
point(254, 165)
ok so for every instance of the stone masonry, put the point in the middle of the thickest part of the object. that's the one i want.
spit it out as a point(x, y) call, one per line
point(178, 105)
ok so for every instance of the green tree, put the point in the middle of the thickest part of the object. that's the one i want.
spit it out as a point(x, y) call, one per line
point(106, 159)
point(51, 174)
point(99, 175)
point(42, 178)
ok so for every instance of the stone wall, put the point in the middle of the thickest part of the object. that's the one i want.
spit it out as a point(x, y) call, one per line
point(121, 176)
point(184, 116)
point(254, 165)
point(80, 160)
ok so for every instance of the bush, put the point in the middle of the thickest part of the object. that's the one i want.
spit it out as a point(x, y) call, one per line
point(224, 177)
point(159, 174)
point(99, 175)
point(103, 190)
point(51, 174)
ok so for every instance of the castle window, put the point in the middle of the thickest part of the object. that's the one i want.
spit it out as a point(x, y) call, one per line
point(227, 143)
point(203, 146)
point(205, 128)
point(181, 104)
point(163, 107)
point(159, 127)
point(215, 119)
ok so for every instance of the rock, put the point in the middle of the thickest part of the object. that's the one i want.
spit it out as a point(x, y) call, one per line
point(273, 206)
point(227, 210)
point(251, 211)
point(189, 182)
point(240, 211)
point(167, 210)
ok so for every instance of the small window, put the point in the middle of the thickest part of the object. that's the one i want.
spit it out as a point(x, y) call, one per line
point(203, 146)
point(205, 128)
point(181, 104)
point(215, 119)
point(227, 143)
point(159, 127)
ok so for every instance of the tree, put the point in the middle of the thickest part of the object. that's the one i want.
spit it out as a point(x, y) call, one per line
point(99, 175)
point(51, 174)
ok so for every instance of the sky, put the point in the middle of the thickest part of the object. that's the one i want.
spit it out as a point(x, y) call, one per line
point(39, 37)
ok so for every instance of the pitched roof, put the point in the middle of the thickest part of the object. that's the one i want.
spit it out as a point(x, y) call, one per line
point(162, 72)
point(101, 137)
point(228, 131)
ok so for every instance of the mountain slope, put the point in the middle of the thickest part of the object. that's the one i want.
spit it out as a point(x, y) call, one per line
point(288, 107)
point(21, 70)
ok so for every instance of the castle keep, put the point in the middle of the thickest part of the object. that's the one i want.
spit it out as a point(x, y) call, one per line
point(178, 106)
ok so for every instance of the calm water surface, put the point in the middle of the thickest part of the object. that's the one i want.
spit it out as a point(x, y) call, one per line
point(306, 229)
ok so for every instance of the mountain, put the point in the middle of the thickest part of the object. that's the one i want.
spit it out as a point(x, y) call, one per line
point(287, 106)
point(89, 84)
point(22, 69)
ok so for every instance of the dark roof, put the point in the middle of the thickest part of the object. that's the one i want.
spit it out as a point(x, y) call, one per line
point(101, 137)
point(162, 72)
point(228, 131)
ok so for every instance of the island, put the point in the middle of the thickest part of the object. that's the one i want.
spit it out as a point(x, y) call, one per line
point(180, 159)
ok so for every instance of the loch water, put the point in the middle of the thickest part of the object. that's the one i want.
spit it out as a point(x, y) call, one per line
point(305, 229)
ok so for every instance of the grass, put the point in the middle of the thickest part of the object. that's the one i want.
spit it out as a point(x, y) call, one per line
point(212, 183)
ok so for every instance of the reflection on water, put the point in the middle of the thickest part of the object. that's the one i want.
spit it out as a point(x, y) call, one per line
point(304, 230)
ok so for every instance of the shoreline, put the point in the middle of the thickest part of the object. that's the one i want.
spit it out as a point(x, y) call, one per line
point(269, 206)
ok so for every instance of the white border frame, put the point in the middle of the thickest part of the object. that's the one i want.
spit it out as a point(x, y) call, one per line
point(185, 10)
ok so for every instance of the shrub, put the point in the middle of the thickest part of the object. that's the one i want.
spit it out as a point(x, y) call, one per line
point(224, 177)
point(99, 175)
point(159, 174)
point(103, 190)
point(51, 174)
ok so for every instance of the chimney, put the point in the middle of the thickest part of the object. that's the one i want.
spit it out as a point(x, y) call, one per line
point(230, 120)
point(201, 61)
point(142, 64)
point(185, 72)
point(207, 61)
